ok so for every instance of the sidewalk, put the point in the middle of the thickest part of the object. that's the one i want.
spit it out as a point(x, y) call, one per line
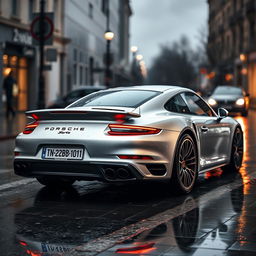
point(10, 128)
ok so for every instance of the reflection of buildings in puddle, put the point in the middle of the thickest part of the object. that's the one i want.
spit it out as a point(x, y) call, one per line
point(200, 226)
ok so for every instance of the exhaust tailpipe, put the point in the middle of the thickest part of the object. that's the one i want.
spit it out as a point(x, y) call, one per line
point(110, 173)
point(123, 173)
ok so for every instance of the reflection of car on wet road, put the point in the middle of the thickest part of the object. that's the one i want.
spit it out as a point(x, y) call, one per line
point(199, 222)
point(74, 95)
point(211, 225)
point(164, 133)
point(232, 98)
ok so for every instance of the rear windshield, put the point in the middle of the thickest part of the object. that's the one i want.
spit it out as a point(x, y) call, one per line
point(126, 98)
point(228, 90)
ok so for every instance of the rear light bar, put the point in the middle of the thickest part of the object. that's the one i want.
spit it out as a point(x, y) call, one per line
point(30, 127)
point(135, 157)
point(121, 129)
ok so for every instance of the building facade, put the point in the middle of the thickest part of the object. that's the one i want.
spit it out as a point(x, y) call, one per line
point(78, 38)
point(232, 43)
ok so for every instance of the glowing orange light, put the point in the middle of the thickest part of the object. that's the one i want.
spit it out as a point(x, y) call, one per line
point(244, 71)
point(211, 75)
point(213, 173)
point(229, 77)
point(141, 249)
point(7, 71)
point(242, 57)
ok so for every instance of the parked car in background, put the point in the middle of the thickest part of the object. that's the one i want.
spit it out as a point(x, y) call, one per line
point(232, 98)
point(74, 95)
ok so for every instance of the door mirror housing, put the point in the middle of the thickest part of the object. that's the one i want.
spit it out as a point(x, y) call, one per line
point(222, 113)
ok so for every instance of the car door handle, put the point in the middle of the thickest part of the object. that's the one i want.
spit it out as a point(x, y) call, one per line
point(204, 129)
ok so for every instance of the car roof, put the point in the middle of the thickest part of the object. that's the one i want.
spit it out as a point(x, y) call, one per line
point(158, 88)
point(89, 87)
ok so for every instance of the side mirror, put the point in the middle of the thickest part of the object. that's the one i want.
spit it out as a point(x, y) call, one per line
point(222, 113)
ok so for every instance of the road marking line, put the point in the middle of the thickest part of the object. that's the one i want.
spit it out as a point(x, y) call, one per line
point(107, 241)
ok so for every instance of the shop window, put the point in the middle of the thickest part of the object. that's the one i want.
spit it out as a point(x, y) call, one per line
point(19, 68)
point(13, 60)
point(5, 59)
point(23, 62)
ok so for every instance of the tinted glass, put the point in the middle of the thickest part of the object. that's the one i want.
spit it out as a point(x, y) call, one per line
point(129, 98)
point(196, 105)
point(178, 105)
point(228, 90)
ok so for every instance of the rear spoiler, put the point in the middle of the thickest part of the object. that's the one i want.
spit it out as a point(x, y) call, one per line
point(83, 114)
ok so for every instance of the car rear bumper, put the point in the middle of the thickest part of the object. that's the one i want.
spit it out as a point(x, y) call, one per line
point(82, 170)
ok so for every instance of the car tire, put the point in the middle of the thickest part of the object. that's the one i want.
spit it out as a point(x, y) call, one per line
point(185, 166)
point(53, 181)
point(236, 152)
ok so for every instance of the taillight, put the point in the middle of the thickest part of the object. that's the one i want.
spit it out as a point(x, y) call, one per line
point(121, 129)
point(30, 127)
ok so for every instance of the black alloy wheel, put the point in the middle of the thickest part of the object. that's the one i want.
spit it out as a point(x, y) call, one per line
point(237, 152)
point(185, 166)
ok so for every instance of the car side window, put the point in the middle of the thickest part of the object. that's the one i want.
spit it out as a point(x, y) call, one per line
point(177, 104)
point(196, 105)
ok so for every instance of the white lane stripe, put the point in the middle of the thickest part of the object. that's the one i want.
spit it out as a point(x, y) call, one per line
point(17, 183)
point(105, 242)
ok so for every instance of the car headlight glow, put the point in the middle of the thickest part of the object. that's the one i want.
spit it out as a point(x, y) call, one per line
point(240, 102)
point(212, 102)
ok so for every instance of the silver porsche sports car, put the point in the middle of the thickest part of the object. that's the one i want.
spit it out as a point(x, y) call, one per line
point(165, 133)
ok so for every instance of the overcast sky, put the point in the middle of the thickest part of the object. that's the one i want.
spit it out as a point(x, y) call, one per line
point(156, 22)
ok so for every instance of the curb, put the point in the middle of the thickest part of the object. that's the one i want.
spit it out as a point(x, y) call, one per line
point(8, 137)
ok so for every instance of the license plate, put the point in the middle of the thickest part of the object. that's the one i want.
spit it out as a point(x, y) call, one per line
point(63, 153)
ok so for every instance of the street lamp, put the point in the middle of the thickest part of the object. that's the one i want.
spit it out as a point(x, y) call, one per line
point(109, 35)
point(134, 49)
point(139, 57)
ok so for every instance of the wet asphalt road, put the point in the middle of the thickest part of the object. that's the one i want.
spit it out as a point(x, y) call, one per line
point(217, 218)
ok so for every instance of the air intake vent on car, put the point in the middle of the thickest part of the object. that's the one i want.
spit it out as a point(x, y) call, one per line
point(156, 169)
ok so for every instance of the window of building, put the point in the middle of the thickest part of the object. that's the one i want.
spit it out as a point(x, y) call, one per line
point(56, 10)
point(14, 7)
point(104, 6)
point(30, 10)
point(91, 10)
point(81, 75)
point(74, 67)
